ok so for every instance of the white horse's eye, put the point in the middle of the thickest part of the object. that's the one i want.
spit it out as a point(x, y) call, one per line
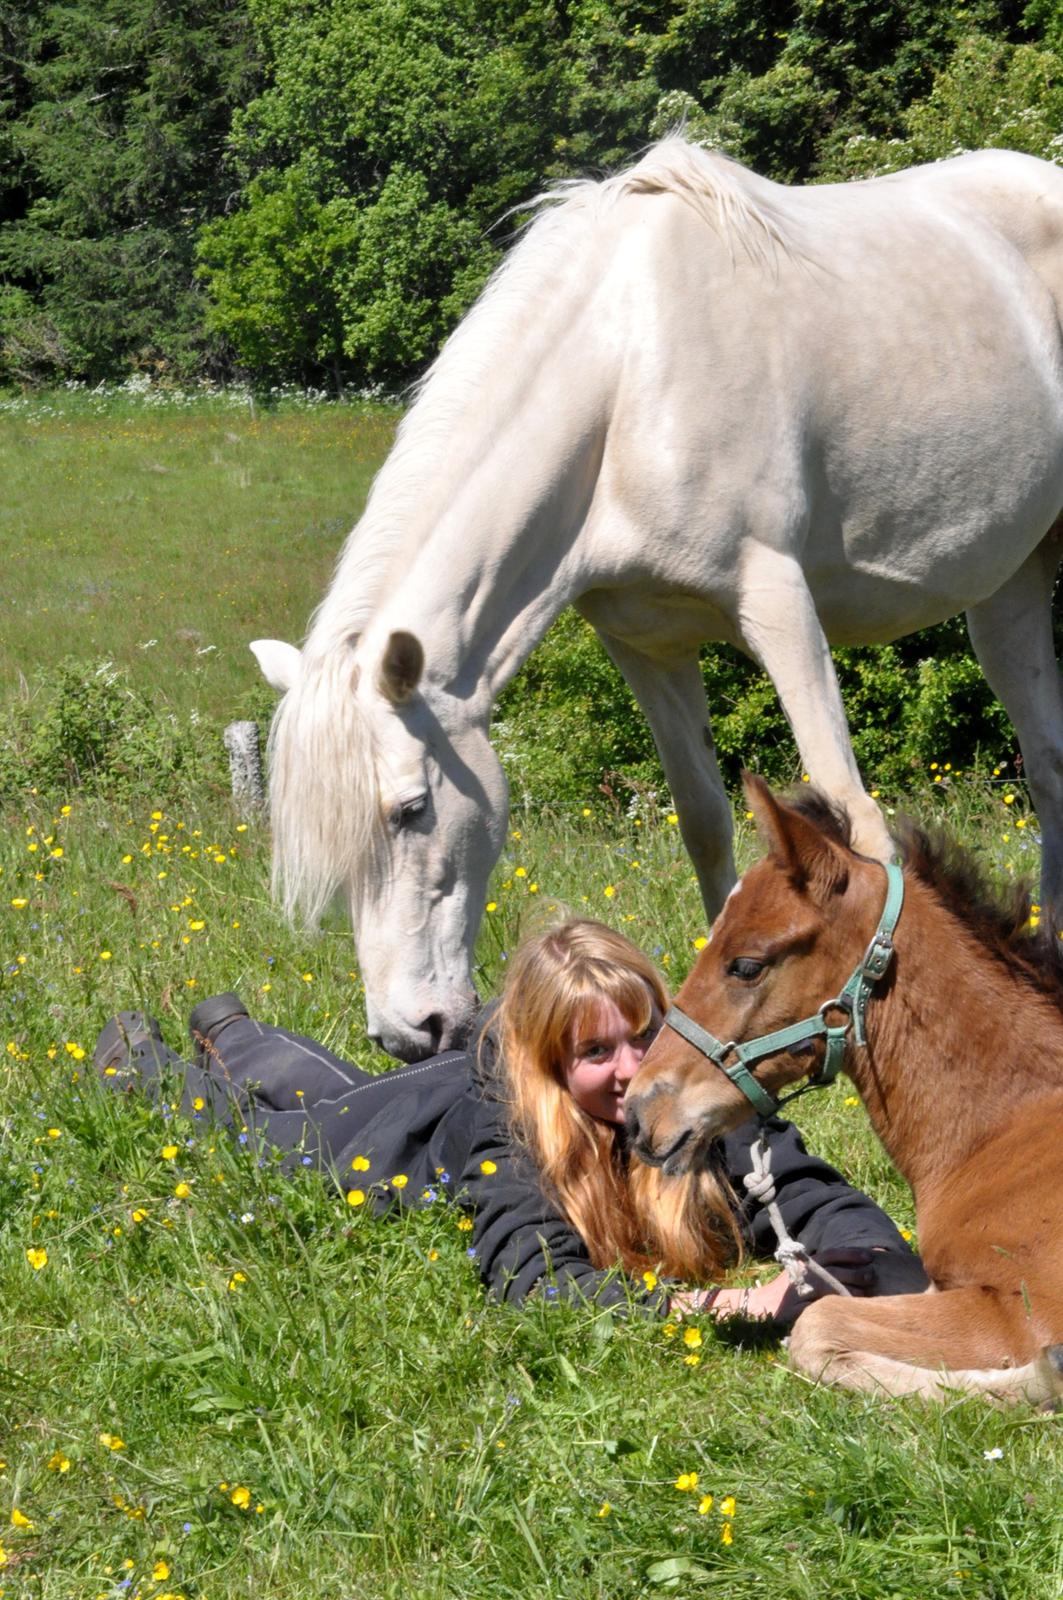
point(408, 811)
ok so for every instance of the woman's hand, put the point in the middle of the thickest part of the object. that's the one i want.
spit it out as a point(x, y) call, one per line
point(777, 1300)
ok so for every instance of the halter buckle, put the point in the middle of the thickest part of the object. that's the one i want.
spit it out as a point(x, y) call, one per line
point(877, 956)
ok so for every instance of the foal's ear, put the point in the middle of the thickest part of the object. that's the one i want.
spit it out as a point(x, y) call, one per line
point(809, 857)
point(400, 667)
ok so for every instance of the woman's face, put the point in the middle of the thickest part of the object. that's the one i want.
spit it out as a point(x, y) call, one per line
point(603, 1055)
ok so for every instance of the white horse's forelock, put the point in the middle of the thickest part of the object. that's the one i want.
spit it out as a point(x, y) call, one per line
point(328, 830)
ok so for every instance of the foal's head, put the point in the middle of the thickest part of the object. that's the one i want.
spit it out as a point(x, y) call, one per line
point(786, 941)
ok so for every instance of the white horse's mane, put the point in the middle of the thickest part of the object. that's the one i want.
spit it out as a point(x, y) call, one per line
point(320, 743)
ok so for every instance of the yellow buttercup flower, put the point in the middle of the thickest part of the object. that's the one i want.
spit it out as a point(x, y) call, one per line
point(399, 1181)
point(687, 1482)
point(488, 1167)
point(160, 1572)
point(111, 1441)
point(359, 1164)
point(18, 1520)
point(705, 1505)
point(727, 1506)
point(727, 1534)
point(37, 1259)
point(356, 1197)
point(241, 1497)
point(182, 1191)
point(692, 1338)
point(168, 1152)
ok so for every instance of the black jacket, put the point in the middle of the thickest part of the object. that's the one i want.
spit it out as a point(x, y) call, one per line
point(442, 1125)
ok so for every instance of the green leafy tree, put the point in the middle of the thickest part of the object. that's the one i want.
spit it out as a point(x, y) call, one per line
point(387, 144)
point(120, 152)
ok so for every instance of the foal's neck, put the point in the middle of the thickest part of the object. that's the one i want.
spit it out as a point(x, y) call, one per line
point(957, 1043)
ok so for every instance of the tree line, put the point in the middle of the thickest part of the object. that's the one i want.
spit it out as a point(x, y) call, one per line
point(313, 191)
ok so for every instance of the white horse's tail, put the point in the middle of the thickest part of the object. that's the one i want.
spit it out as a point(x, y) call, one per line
point(327, 830)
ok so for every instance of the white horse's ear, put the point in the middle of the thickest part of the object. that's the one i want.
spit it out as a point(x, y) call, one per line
point(401, 667)
point(281, 664)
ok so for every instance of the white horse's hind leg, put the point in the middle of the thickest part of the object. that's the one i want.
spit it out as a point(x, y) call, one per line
point(1012, 637)
point(782, 631)
point(672, 696)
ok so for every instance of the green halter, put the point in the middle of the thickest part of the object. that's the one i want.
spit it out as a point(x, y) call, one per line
point(851, 1002)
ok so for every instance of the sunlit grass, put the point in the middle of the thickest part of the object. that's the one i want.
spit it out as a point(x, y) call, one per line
point(218, 1380)
point(234, 1327)
point(164, 540)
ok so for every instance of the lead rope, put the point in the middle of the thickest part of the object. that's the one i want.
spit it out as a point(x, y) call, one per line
point(760, 1185)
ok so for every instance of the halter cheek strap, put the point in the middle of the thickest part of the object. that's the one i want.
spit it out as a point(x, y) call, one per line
point(851, 1003)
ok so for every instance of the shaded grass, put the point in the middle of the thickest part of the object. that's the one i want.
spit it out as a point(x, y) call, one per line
point(401, 1434)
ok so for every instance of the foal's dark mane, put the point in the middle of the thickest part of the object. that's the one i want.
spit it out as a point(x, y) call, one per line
point(997, 918)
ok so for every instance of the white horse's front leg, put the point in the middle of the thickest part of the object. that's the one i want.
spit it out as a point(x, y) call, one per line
point(672, 696)
point(781, 629)
point(1012, 637)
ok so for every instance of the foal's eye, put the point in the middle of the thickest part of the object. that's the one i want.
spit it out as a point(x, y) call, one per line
point(408, 812)
point(747, 968)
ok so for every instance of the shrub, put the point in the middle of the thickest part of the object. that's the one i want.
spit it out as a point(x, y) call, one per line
point(568, 721)
point(83, 727)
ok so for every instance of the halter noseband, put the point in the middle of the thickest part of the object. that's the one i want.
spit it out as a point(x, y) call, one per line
point(851, 1002)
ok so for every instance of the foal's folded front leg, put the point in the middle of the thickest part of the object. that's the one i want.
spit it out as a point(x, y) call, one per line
point(932, 1345)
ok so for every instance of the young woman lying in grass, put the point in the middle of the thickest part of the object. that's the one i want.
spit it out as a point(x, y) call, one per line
point(527, 1130)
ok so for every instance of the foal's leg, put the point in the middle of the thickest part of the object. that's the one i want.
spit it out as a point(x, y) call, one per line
point(672, 697)
point(1012, 637)
point(930, 1345)
point(781, 628)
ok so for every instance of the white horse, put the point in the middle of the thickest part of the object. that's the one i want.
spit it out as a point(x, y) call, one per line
point(696, 405)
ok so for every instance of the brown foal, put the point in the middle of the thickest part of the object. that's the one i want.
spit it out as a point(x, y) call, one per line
point(962, 1077)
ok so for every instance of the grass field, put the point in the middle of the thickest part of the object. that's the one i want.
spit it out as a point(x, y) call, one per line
point(216, 1381)
point(163, 537)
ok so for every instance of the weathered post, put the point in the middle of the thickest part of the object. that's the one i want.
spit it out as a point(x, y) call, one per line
point(245, 765)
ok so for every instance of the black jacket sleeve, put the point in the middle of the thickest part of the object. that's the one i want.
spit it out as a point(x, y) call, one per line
point(820, 1209)
point(521, 1241)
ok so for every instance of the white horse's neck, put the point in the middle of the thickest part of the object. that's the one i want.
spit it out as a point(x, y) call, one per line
point(483, 522)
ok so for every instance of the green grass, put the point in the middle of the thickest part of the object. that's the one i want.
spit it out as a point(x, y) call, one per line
point(402, 1435)
point(162, 538)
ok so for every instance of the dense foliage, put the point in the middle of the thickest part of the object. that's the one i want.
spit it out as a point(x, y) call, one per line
point(313, 189)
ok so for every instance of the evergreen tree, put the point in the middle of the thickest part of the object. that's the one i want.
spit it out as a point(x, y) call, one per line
point(120, 155)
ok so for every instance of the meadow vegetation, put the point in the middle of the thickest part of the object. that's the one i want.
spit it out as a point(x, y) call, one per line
point(218, 1380)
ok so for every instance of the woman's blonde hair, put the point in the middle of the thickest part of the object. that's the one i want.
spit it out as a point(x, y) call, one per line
point(625, 1211)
